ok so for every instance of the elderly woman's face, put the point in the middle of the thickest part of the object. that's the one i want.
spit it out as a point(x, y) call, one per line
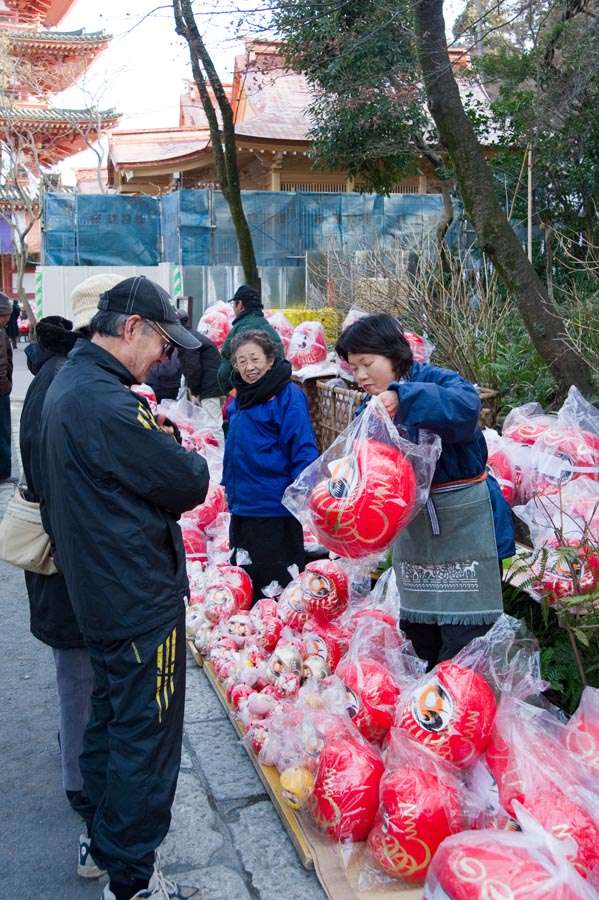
point(252, 362)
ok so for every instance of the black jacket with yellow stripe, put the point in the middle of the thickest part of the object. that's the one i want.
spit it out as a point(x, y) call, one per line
point(114, 487)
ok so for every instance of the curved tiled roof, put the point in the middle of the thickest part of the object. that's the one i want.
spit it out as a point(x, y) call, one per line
point(278, 100)
point(58, 37)
point(157, 145)
point(9, 194)
point(42, 114)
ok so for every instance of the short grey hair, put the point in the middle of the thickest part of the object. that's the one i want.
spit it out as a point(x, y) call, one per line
point(112, 324)
point(254, 336)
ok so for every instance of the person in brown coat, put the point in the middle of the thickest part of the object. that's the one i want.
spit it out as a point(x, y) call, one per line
point(5, 388)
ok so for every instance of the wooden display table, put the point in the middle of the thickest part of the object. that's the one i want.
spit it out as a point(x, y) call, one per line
point(314, 850)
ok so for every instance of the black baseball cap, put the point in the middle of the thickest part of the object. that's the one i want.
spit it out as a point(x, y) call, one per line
point(247, 295)
point(140, 296)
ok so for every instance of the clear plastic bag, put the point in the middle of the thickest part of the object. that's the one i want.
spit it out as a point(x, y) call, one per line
point(281, 325)
point(530, 763)
point(567, 450)
point(501, 463)
point(216, 323)
point(528, 865)
point(422, 801)
point(564, 529)
point(379, 665)
point(581, 734)
point(308, 345)
point(522, 426)
point(451, 710)
point(366, 487)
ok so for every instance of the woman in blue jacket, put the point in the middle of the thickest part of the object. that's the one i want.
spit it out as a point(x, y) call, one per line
point(269, 442)
point(447, 561)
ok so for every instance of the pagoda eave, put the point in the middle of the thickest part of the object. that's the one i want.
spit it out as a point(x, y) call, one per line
point(60, 63)
point(11, 205)
point(47, 141)
point(61, 149)
point(48, 12)
point(22, 119)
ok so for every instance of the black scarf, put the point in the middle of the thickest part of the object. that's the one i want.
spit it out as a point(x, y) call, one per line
point(271, 383)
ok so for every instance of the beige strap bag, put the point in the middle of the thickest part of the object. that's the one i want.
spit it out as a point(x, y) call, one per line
point(23, 541)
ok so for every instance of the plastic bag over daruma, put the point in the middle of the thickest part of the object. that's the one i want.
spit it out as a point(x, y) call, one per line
point(366, 487)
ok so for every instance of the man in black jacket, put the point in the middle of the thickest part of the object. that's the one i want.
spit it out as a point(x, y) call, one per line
point(200, 369)
point(116, 483)
point(52, 620)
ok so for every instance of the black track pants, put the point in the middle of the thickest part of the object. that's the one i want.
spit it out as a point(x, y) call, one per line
point(132, 747)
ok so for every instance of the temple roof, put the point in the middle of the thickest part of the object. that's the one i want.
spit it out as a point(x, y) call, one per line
point(47, 136)
point(76, 39)
point(10, 195)
point(271, 102)
point(154, 146)
point(278, 102)
point(15, 114)
point(191, 111)
point(270, 105)
point(53, 60)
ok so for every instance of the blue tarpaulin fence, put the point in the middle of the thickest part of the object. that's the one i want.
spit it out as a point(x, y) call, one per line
point(194, 228)
point(100, 230)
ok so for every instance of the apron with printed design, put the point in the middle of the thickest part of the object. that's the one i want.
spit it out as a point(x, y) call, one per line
point(446, 561)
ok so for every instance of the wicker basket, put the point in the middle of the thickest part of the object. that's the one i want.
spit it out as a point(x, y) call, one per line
point(335, 409)
point(332, 408)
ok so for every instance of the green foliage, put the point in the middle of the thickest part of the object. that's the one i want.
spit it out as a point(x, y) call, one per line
point(558, 664)
point(517, 371)
point(365, 137)
point(359, 58)
point(546, 90)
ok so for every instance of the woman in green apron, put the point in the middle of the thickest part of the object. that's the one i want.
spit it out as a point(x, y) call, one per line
point(447, 561)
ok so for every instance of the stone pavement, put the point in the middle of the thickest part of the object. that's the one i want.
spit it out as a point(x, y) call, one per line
point(225, 835)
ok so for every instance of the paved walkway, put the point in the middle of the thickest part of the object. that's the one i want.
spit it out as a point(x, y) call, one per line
point(225, 834)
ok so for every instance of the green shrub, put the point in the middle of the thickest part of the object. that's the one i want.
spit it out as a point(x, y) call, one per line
point(558, 664)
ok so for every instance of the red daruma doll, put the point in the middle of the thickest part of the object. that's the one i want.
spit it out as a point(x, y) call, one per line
point(345, 798)
point(308, 345)
point(372, 694)
point(561, 455)
point(215, 325)
point(497, 865)
point(326, 590)
point(451, 712)
point(366, 501)
point(419, 808)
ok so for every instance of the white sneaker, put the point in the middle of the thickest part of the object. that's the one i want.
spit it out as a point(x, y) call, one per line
point(87, 867)
point(159, 888)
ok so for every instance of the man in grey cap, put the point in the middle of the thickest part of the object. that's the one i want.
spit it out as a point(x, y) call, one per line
point(116, 483)
point(5, 387)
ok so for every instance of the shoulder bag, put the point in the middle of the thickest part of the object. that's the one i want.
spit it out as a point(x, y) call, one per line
point(23, 541)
